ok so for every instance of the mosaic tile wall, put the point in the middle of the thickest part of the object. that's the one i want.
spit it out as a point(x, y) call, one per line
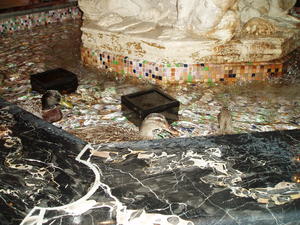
point(182, 73)
point(41, 18)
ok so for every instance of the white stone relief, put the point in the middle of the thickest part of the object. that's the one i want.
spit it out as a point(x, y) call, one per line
point(214, 19)
point(122, 15)
point(265, 17)
point(191, 31)
point(211, 18)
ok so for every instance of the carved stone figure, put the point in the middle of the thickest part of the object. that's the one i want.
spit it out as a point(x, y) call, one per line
point(211, 18)
point(264, 17)
point(216, 19)
point(130, 16)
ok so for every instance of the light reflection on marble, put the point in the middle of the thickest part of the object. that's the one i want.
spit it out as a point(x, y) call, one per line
point(47, 177)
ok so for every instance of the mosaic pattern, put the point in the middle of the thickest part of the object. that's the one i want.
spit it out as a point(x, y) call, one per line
point(181, 73)
point(296, 11)
point(29, 21)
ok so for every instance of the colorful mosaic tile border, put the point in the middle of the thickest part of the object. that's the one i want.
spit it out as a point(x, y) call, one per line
point(24, 22)
point(183, 73)
point(296, 11)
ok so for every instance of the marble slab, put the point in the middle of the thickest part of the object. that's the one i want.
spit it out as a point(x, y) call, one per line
point(50, 177)
point(37, 165)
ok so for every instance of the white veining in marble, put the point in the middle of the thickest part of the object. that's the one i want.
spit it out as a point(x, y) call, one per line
point(84, 204)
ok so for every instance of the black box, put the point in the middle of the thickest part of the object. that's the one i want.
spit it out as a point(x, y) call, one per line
point(58, 79)
point(138, 105)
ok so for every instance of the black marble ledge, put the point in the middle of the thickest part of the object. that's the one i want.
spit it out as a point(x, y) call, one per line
point(234, 179)
point(37, 165)
point(47, 176)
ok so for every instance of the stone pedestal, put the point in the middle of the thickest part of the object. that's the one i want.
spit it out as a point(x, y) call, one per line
point(254, 50)
point(187, 60)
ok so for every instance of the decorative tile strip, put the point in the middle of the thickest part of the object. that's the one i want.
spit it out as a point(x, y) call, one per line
point(24, 22)
point(180, 72)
